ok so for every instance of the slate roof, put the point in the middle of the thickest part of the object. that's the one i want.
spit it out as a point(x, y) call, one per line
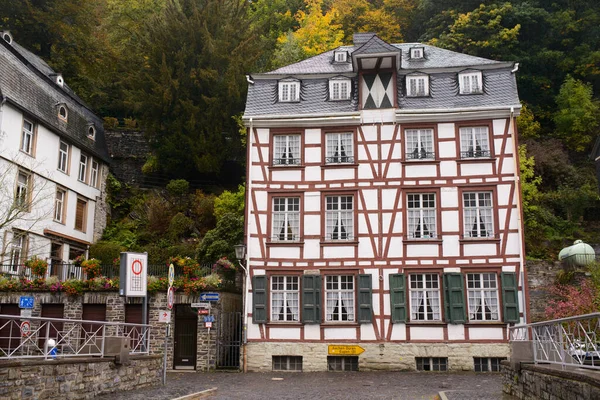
point(27, 82)
point(374, 46)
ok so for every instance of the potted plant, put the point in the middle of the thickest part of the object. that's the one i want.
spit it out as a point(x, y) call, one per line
point(37, 265)
point(92, 268)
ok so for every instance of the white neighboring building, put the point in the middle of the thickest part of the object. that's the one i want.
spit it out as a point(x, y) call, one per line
point(383, 211)
point(53, 165)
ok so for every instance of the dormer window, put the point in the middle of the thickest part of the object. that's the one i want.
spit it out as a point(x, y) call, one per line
point(91, 133)
point(417, 53)
point(63, 113)
point(470, 82)
point(289, 91)
point(417, 85)
point(340, 56)
point(7, 37)
point(59, 80)
point(339, 89)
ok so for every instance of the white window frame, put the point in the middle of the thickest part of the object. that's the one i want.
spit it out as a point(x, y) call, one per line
point(95, 167)
point(478, 214)
point(417, 53)
point(340, 298)
point(27, 137)
point(424, 296)
point(59, 205)
point(23, 190)
point(339, 218)
point(339, 89)
point(417, 85)
point(285, 298)
point(63, 157)
point(286, 149)
point(422, 215)
point(482, 294)
point(17, 246)
point(475, 142)
point(340, 56)
point(470, 82)
point(289, 91)
point(91, 133)
point(339, 148)
point(82, 173)
point(286, 217)
point(63, 117)
point(419, 144)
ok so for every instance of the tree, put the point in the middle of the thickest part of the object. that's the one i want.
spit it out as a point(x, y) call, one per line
point(364, 16)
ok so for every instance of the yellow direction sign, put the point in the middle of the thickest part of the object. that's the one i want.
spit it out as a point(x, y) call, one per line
point(344, 350)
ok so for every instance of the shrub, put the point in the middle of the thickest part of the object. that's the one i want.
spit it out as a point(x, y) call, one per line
point(106, 251)
point(37, 265)
point(180, 226)
point(73, 287)
point(92, 268)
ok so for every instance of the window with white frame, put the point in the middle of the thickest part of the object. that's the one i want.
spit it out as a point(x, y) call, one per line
point(83, 160)
point(340, 56)
point(94, 173)
point(421, 216)
point(63, 156)
point(416, 52)
point(419, 144)
point(92, 132)
point(470, 82)
point(63, 113)
point(286, 150)
point(286, 219)
point(425, 297)
point(477, 214)
point(417, 85)
point(482, 292)
point(339, 296)
point(339, 148)
point(27, 137)
point(23, 190)
point(17, 250)
point(285, 298)
point(59, 205)
point(474, 142)
point(339, 89)
point(289, 91)
point(339, 216)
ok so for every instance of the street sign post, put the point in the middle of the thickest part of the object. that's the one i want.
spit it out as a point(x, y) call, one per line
point(344, 350)
point(201, 305)
point(171, 274)
point(26, 302)
point(203, 311)
point(164, 317)
point(170, 297)
point(133, 280)
point(25, 328)
point(209, 296)
point(209, 318)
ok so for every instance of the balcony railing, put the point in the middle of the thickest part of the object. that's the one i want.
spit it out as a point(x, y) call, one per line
point(573, 341)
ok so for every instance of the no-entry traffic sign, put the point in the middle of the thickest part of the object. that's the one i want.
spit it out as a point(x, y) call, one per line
point(25, 328)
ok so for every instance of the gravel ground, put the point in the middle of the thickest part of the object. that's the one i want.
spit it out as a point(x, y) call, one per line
point(325, 385)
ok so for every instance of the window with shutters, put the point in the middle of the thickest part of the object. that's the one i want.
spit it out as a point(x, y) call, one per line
point(425, 297)
point(474, 142)
point(422, 216)
point(289, 91)
point(285, 298)
point(63, 157)
point(23, 191)
point(477, 215)
point(339, 298)
point(339, 218)
point(286, 150)
point(417, 86)
point(398, 297)
point(59, 205)
point(286, 219)
point(27, 137)
point(339, 89)
point(81, 215)
point(470, 82)
point(419, 144)
point(339, 148)
point(83, 161)
point(94, 174)
point(482, 294)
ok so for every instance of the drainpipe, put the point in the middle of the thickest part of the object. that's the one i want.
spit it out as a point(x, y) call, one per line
point(2, 101)
point(248, 225)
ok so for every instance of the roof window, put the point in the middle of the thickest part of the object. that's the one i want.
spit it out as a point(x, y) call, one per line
point(59, 80)
point(417, 53)
point(91, 133)
point(289, 91)
point(7, 37)
point(340, 56)
point(63, 112)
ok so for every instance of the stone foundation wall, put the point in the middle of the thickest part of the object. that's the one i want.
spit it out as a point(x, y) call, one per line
point(540, 274)
point(544, 382)
point(377, 356)
point(76, 379)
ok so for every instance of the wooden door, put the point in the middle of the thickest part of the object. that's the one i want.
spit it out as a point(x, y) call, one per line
point(186, 341)
point(10, 333)
point(54, 328)
point(92, 333)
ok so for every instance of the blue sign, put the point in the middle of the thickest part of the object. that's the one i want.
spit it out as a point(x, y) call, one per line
point(25, 302)
point(209, 318)
point(209, 296)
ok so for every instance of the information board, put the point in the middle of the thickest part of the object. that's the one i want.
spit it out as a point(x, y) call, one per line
point(134, 274)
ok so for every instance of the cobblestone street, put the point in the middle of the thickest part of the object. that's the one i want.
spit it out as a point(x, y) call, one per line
point(325, 385)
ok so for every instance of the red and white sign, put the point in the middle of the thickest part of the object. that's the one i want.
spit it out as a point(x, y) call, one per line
point(208, 324)
point(170, 298)
point(134, 274)
point(25, 328)
point(203, 311)
point(164, 317)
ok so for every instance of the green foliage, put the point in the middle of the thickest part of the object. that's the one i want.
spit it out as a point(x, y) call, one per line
point(180, 227)
point(528, 127)
point(230, 203)
point(106, 251)
point(219, 242)
point(178, 187)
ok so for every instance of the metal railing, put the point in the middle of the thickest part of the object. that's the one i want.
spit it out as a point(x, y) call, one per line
point(34, 337)
point(573, 341)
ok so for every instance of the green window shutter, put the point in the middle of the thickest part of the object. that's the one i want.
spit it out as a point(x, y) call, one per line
point(311, 299)
point(510, 298)
point(365, 296)
point(454, 286)
point(259, 299)
point(398, 297)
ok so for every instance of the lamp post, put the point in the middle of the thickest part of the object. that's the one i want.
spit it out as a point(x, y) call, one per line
point(240, 254)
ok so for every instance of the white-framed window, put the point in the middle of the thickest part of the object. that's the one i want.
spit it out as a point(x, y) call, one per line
point(474, 142)
point(339, 298)
point(340, 56)
point(422, 215)
point(63, 156)
point(478, 214)
point(285, 298)
point(339, 148)
point(91, 132)
point(17, 250)
point(416, 52)
point(339, 89)
point(286, 219)
point(286, 150)
point(289, 91)
point(419, 144)
point(339, 218)
point(63, 112)
point(470, 82)
point(94, 173)
point(59, 205)
point(23, 190)
point(482, 292)
point(81, 215)
point(27, 137)
point(417, 85)
point(83, 160)
point(425, 297)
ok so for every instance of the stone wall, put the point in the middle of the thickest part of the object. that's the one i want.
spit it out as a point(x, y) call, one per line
point(540, 274)
point(102, 209)
point(76, 378)
point(377, 356)
point(129, 151)
point(545, 382)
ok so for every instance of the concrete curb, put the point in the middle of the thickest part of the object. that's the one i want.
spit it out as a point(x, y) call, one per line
point(442, 395)
point(198, 395)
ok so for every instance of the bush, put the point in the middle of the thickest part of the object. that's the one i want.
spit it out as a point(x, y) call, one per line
point(106, 251)
point(180, 227)
point(92, 268)
point(37, 265)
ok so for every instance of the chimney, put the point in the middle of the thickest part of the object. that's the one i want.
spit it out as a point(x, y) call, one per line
point(361, 38)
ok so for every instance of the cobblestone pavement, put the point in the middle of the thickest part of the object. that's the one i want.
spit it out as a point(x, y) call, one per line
point(325, 385)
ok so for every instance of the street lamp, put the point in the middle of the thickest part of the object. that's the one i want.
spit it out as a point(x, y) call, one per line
point(240, 254)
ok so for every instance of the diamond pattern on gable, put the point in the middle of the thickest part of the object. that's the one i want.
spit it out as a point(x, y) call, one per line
point(369, 103)
point(378, 90)
point(369, 79)
point(385, 77)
